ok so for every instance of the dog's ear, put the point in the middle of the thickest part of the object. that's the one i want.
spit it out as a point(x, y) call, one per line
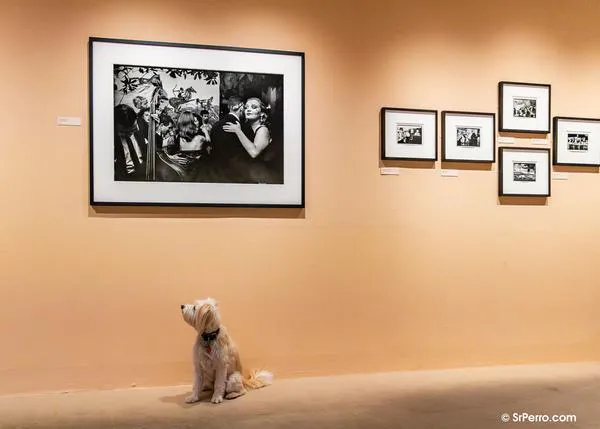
point(213, 302)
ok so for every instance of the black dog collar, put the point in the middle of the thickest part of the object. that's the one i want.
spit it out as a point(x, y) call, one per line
point(210, 336)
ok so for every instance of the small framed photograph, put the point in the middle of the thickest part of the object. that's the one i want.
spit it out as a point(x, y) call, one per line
point(524, 172)
point(468, 136)
point(576, 141)
point(176, 124)
point(408, 134)
point(524, 107)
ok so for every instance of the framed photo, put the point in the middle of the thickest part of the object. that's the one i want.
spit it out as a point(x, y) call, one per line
point(194, 125)
point(524, 107)
point(408, 134)
point(576, 141)
point(468, 136)
point(524, 171)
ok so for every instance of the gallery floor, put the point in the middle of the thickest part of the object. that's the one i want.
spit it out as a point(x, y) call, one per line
point(462, 399)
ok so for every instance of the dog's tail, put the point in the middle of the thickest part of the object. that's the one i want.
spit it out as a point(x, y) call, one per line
point(258, 379)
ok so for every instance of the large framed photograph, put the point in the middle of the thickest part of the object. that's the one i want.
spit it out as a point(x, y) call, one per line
point(468, 136)
point(576, 141)
point(408, 134)
point(524, 107)
point(180, 124)
point(524, 171)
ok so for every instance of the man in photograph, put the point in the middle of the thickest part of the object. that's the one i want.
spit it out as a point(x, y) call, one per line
point(130, 146)
point(226, 145)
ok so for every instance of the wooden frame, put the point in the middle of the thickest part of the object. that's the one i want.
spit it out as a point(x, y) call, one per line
point(178, 92)
point(473, 138)
point(524, 107)
point(576, 141)
point(524, 171)
point(419, 134)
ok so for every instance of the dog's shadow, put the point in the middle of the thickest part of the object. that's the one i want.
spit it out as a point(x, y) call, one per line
point(180, 399)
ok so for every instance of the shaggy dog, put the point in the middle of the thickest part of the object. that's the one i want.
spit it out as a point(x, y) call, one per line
point(217, 364)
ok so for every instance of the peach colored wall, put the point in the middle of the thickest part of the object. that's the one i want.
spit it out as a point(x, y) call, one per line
point(378, 273)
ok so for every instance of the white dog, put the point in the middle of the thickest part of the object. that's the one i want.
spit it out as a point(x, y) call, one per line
point(217, 364)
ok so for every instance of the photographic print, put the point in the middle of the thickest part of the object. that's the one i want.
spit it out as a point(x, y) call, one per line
point(196, 125)
point(468, 136)
point(181, 107)
point(524, 107)
point(576, 141)
point(524, 171)
point(408, 134)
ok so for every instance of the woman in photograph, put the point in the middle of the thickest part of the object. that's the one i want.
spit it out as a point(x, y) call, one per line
point(184, 150)
point(143, 119)
point(253, 161)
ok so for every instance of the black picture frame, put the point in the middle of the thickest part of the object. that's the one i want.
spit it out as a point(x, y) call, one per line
point(471, 120)
point(524, 176)
point(563, 155)
point(526, 92)
point(119, 67)
point(423, 121)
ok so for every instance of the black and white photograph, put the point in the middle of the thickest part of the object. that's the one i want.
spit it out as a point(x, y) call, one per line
point(577, 142)
point(410, 133)
point(524, 107)
point(186, 125)
point(524, 171)
point(468, 136)
point(222, 129)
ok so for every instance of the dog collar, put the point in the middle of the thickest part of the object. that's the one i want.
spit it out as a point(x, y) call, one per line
point(209, 337)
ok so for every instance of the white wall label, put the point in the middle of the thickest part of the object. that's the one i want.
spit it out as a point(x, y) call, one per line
point(449, 173)
point(68, 121)
point(506, 140)
point(560, 176)
point(389, 171)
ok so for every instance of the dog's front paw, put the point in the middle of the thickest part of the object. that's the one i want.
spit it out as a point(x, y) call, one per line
point(191, 399)
point(217, 399)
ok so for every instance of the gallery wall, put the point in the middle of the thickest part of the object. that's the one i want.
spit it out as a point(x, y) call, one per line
point(378, 272)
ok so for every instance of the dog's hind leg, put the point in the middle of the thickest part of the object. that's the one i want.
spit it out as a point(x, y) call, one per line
point(235, 386)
